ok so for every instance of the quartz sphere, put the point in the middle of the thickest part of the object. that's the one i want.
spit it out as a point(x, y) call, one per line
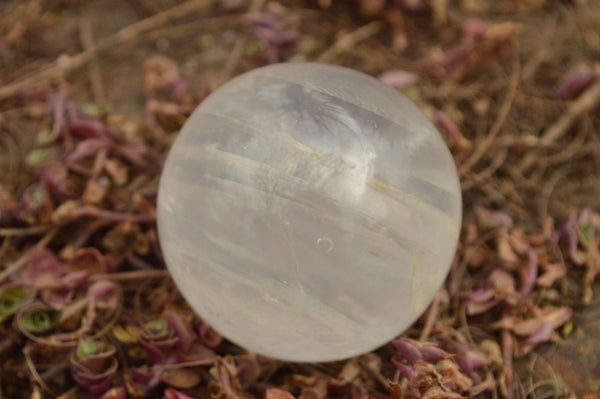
point(308, 212)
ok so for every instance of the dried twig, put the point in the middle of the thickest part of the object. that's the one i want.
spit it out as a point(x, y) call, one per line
point(34, 372)
point(495, 129)
point(24, 231)
point(87, 40)
point(546, 192)
point(220, 22)
point(240, 44)
point(432, 316)
point(133, 275)
point(191, 363)
point(497, 162)
point(350, 40)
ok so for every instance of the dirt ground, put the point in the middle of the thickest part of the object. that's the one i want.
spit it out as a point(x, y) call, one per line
point(92, 94)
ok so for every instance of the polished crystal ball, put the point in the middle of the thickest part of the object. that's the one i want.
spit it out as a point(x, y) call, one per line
point(308, 212)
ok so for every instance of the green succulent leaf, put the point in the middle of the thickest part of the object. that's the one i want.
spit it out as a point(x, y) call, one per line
point(158, 327)
point(37, 156)
point(39, 319)
point(87, 347)
point(586, 234)
point(11, 299)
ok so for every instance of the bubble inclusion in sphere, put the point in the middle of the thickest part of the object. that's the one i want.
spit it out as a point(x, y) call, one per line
point(308, 212)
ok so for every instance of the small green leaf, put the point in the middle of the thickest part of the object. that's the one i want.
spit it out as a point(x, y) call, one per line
point(38, 318)
point(87, 347)
point(11, 298)
point(37, 157)
point(156, 327)
point(586, 233)
point(44, 136)
point(567, 329)
point(92, 109)
point(125, 335)
point(181, 378)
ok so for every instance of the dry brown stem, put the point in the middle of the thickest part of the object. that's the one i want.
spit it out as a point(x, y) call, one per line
point(498, 123)
point(350, 40)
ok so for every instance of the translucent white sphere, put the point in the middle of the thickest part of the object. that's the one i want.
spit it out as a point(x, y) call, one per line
point(308, 212)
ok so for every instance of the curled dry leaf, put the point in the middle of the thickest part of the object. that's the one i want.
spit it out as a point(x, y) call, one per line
point(500, 286)
point(350, 371)
point(225, 384)
point(181, 378)
point(117, 170)
point(105, 294)
point(89, 260)
point(87, 129)
point(529, 273)
point(42, 268)
point(126, 335)
point(95, 190)
point(86, 149)
point(542, 334)
point(577, 231)
point(519, 241)
point(507, 255)
point(469, 359)
point(453, 379)
point(553, 316)
point(408, 348)
point(575, 81)
point(399, 79)
point(553, 272)
point(197, 353)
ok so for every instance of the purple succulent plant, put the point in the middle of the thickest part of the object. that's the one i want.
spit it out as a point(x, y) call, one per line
point(93, 366)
